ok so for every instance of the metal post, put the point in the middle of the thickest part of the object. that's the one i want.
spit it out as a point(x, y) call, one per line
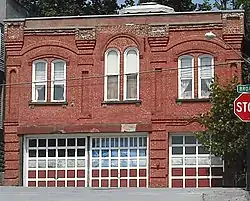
point(248, 157)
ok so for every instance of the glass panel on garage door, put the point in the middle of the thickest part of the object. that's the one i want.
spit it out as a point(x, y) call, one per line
point(63, 161)
point(191, 165)
point(119, 162)
point(56, 162)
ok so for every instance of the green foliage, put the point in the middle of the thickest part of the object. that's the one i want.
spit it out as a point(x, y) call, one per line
point(46, 8)
point(206, 5)
point(178, 5)
point(225, 134)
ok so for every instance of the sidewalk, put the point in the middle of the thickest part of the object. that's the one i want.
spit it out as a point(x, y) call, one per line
point(126, 194)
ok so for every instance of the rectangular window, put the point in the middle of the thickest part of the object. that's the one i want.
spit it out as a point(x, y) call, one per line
point(58, 81)
point(205, 75)
point(39, 82)
point(186, 85)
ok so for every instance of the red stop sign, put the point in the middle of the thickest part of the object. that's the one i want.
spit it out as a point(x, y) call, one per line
point(242, 107)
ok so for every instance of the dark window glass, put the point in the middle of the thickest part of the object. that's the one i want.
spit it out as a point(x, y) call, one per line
point(71, 142)
point(61, 152)
point(61, 142)
point(217, 171)
point(177, 140)
point(52, 142)
point(177, 150)
point(32, 143)
point(52, 153)
point(81, 142)
point(190, 150)
point(71, 152)
point(41, 153)
point(32, 153)
point(80, 152)
point(42, 143)
point(203, 150)
point(190, 140)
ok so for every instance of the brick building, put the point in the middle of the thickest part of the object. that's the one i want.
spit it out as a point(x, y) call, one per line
point(8, 9)
point(110, 101)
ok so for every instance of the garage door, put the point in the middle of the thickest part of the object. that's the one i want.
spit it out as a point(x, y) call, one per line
point(56, 162)
point(119, 162)
point(86, 161)
point(191, 165)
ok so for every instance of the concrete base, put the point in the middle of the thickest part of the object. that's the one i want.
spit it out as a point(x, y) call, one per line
point(126, 194)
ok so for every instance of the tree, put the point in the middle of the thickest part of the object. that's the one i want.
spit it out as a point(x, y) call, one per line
point(128, 3)
point(42, 8)
point(178, 5)
point(206, 5)
point(225, 134)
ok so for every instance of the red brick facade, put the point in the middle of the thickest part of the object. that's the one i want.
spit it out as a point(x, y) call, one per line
point(82, 42)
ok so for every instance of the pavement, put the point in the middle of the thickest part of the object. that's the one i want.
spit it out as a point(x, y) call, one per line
point(121, 194)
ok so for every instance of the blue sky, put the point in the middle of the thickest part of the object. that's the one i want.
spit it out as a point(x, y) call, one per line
point(195, 1)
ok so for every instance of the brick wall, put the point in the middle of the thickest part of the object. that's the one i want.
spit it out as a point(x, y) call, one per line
point(81, 42)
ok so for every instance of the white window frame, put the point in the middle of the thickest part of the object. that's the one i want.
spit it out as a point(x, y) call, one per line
point(199, 72)
point(179, 76)
point(106, 74)
point(34, 82)
point(137, 72)
point(52, 80)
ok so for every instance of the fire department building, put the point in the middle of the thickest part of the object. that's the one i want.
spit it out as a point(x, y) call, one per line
point(110, 101)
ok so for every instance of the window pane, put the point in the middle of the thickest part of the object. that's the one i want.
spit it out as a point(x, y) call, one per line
point(205, 87)
point(186, 88)
point(59, 71)
point(112, 63)
point(177, 140)
point(190, 150)
point(186, 68)
point(112, 87)
point(203, 150)
point(177, 150)
point(131, 62)
point(131, 86)
point(40, 71)
point(58, 92)
point(206, 67)
point(190, 140)
point(40, 92)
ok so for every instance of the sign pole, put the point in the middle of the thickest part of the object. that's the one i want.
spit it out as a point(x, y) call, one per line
point(248, 157)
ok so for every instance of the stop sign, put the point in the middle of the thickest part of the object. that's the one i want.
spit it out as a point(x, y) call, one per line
point(242, 107)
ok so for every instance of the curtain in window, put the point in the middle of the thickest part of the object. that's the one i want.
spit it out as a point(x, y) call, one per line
point(131, 75)
point(206, 75)
point(58, 81)
point(132, 86)
point(186, 77)
point(112, 73)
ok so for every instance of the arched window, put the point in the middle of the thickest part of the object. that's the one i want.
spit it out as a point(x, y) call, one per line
point(112, 70)
point(58, 81)
point(131, 74)
point(205, 75)
point(186, 77)
point(39, 81)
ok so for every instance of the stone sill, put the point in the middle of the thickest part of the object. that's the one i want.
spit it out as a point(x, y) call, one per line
point(192, 100)
point(47, 103)
point(136, 102)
